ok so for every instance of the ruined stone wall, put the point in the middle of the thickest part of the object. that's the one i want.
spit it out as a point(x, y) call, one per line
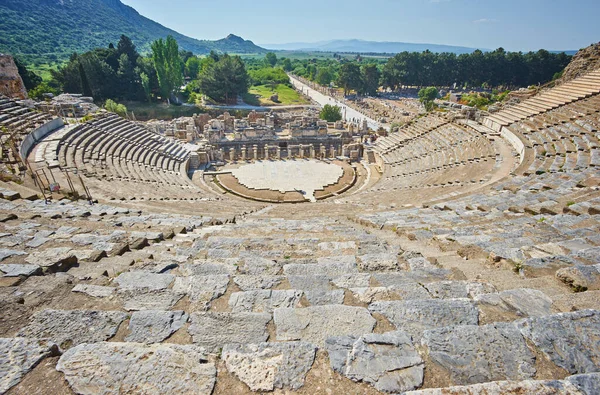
point(11, 84)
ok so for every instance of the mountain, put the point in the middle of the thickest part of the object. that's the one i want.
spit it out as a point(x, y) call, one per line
point(368, 47)
point(56, 28)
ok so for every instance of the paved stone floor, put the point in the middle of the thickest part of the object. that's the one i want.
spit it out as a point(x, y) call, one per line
point(288, 176)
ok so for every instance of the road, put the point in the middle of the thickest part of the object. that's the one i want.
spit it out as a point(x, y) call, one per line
point(347, 112)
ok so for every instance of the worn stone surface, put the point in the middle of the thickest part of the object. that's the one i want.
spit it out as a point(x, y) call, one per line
point(142, 299)
point(263, 301)
point(579, 278)
point(589, 383)
point(6, 253)
point(267, 366)
point(18, 356)
point(570, 340)
point(318, 297)
point(387, 361)
point(317, 323)
point(250, 283)
point(95, 291)
point(416, 316)
point(72, 327)
point(458, 289)
point(378, 262)
point(202, 288)
point(154, 326)
point(16, 270)
point(522, 301)
point(58, 259)
point(214, 330)
point(476, 354)
point(144, 280)
point(548, 387)
point(327, 269)
point(117, 368)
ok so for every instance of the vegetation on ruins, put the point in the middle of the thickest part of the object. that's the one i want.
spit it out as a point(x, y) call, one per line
point(427, 97)
point(112, 106)
point(331, 113)
point(168, 66)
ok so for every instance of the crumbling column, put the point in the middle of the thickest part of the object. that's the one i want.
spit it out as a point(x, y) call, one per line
point(332, 155)
point(266, 151)
point(232, 154)
point(312, 151)
point(278, 153)
point(322, 151)
point(244, 153)
point(255, 149)
point(301, 148)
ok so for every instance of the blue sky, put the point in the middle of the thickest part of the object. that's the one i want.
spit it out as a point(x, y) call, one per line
point(513, 24)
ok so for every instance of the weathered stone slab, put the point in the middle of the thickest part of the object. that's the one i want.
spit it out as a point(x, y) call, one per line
point(6, 253)
point(18, 356)
point(214, 330)
point(580, 278)
point(416, 316)
point(317, 323)
point(117, 368)
point(16, 270)
point(53, 260)
point(306, 282)
point(389, 362)
point(143, 299)
point(202, 288)
point(522, 301)
point(458, 289)
point(250, 283)
point(95, 291)
point(144, 280)
point(406, 291)
point(546, 387)
point(267, 366)
point(263, 301)
point(329, 269)
point(570, 340)
point(475, 354)
point(256, 265)
point(336, 245)
point(154, 326)
point(72, 327)
point(589, 383)
point(378, 262)
point(352, 280)
point(208, 268)
point(319, 297)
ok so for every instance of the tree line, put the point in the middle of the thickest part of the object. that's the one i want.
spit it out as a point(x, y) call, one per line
point(497, 68)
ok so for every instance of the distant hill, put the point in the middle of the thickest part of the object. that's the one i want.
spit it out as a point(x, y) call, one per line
point(368, 47)
point(57, 28)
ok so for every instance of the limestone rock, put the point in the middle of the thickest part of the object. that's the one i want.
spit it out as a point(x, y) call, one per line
point(416, 316)
point(53, 260)
point(118, 368)
point(524, 302)
point(144, 280)
point(250, 283)
point(6, 253)
point(387, 361)
point(263, 301)
point(142, 299)
point(18, 356)
point(202, 288)
point(475, 354)
point(318, 297)
point(267, 366)
point(546, 387)
point(72, 327)
point(587, 383)
point(95, 291)
point(16, 270)
point(570, 340)
point(154, 326)
point(378, 262)
point(580, 278)
point(458, 289)
point(214, 330)
point(317, 323)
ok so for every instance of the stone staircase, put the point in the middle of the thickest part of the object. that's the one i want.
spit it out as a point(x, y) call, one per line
point(106, 299)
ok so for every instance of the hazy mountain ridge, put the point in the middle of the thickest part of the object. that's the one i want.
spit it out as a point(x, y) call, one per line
point(59, 27)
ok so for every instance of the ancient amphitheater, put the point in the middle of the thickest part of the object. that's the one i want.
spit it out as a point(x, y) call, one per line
point(458, 257)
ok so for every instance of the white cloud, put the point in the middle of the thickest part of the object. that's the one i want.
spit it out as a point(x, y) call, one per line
point(484, 20)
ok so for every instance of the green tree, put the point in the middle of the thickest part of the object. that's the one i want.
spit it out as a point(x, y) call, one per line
point(146, 85)
point(270, 59)
point(224, 79)
point(331, 113)
point(350, 77)
point(30, 79)
point(168, 65)
point(112, 106)
point(427, 96)
point(370, 79)
point(192, 67)
point(287, 64)
point(38, 92)
point(324, 76)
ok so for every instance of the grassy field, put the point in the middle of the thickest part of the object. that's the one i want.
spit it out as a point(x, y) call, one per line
point(261, 94)
point(146, 111)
